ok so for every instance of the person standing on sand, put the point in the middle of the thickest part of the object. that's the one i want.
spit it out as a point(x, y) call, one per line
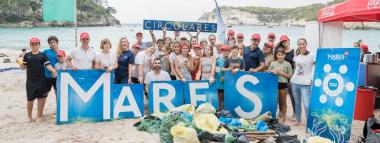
point(105, 60)
point(125, 61)
point(253, 56)
point(82, 57)
point(51, 54)
point(35, 62)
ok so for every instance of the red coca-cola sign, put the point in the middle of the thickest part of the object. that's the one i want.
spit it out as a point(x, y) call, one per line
point(328, 12)
point(373, 4)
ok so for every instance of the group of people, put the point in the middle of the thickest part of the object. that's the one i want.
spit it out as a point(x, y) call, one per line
point(176, 58)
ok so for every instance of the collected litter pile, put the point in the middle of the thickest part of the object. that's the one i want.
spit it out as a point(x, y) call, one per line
point(185, 124)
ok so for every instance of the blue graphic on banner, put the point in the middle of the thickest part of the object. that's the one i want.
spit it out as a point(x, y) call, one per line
point(127, 101)
point(333, 93)
point(83, 96)
point(179, 26)
point(165, 95)
point(248, 95)
point(198, 92)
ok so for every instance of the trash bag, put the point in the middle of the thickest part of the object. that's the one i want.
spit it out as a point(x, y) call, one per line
point(205, 108)
point(273, 124)
point(371, 131)
point(205, 137)
point(168, 122)
point(261, 126)
point(230, 121)
point(264, 117)
point(224, 113)
point(318, 139)
point(287, 139)
point(149, 124)
point(185, 108)
point(209, 123)
point(236, 137)
point(243, 122)
point(182, 134)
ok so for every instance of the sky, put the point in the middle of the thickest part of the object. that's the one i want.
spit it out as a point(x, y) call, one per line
point(135, 11)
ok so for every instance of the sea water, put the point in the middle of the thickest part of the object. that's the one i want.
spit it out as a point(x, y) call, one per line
point(17, 38)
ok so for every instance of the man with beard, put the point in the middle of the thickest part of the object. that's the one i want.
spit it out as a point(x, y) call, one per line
point(156, 74)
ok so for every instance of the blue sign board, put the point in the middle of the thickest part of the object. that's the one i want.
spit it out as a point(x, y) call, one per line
point(248, 95)
point(198, 92)
point(127, 101)
point(333, 93)
point(165, 95)
point(180, 26)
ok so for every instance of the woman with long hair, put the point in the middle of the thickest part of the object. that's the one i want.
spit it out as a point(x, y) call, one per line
point(184, 64)
point(207, 66)
point(302, 78)
point(125, 61)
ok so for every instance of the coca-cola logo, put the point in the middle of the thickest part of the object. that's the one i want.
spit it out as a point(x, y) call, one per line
point(328, 12)
point(373, 4)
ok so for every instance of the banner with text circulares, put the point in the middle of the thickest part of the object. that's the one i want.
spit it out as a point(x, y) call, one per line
point(179, 26)
point(248, 95)
point(333, 93)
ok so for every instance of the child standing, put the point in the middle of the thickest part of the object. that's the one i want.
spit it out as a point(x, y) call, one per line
point(34, 62)
point(283, 69)
point(207, 66)
point(220, 73)
point(234, 63)
point(61, 65)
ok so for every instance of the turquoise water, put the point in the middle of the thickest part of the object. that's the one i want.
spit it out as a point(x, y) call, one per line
point(17, 38)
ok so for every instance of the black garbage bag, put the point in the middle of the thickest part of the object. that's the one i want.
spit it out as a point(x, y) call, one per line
point(205, 137)
point(224, 113)
point(273, 124)
point(287, 139)
point(370, 131)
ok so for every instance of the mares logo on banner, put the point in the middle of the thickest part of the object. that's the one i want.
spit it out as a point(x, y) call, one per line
point(248, 95)
point(372, 4)
point(86, 96)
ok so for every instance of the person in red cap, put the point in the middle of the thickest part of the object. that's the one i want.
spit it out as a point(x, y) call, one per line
point(140, 37)
point(289, 56)
point(35, 62)
point(363, 51)
point(240, 43)
point(253, 56)
point(268, 53)
point(133, 73)
point(197, 51)
point(184, 41)
point(271, 37)
point(219, 74)
point(61, 65)
point(82, 57)
point(231, 38)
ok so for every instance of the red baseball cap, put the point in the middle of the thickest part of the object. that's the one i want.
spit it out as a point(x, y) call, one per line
point(364, 47)
point(226, 47)
point(136, 46)
point(84, 35)
point(269, 44)
point(183, 38)
point(256, 36)
point(272, 34)
point(139, 33)
point(284, 38)
point(231, 32)
point(34, 40)
point(240, 35)
point(61, 53)
point(197, 46)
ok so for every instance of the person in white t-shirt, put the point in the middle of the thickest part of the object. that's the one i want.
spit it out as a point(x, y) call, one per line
point(156, 74)
point(144, 63)
point(82, 57)
point(301, 80)
point(105, 60)
point(176, 52)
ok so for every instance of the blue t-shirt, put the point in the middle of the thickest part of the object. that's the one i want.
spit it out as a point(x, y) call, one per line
point(252, 58)
point(126, 58)
point(219, 73)
point(52, 58)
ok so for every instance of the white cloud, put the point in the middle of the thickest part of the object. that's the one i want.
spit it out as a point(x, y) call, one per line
point(134, 11)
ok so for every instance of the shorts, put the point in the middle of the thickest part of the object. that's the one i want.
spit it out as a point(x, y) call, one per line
point(50, 82)
point(35, 89)
point(282, 85)
point(173, 77)
point(220, 90)
point(134, 80)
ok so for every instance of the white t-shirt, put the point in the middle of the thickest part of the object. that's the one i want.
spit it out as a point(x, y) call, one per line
point(151, 76)
point(172, 58)
point(82, 59)
point(304, 69)
point(158, 53)
point(61, 66)
point(143, 58)
point(105, 59)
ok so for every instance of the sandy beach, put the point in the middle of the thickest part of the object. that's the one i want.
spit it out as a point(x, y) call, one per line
point(14, 128)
